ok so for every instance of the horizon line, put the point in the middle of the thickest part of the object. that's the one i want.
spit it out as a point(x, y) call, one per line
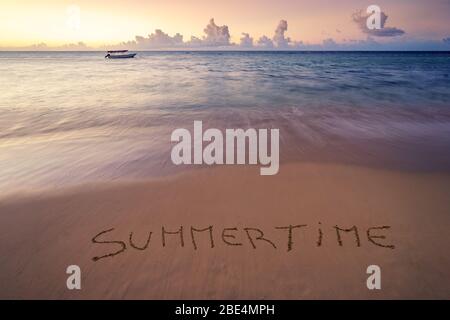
point(230, 50)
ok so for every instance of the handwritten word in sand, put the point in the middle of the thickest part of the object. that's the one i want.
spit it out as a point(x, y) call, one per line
point(286, 238)
point(236, 152)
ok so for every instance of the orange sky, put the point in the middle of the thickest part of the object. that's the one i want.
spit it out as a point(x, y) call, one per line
point(26, 22)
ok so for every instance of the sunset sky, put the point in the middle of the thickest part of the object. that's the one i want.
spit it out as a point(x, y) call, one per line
point(106, 22)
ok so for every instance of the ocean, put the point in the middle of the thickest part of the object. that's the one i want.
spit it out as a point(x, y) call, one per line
point(68, 118)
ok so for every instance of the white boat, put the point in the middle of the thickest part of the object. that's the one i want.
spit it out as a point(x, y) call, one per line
point(119, 54)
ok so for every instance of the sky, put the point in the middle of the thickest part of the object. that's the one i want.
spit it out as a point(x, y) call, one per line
point(281, 24)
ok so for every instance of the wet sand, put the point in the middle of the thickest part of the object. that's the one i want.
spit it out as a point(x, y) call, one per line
point(42, 234)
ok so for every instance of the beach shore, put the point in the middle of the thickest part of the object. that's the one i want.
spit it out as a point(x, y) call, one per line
point(247, 253)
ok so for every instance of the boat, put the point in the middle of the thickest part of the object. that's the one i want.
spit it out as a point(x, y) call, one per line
point(119, 54)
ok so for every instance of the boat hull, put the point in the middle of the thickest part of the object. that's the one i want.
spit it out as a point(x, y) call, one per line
point(122, 56)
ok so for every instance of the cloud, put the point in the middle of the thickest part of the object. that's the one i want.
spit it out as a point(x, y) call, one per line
point(246, 41)
point(79, 46)
point(360, 19)
point(216, 36)
point(161, 39)
point(446, 40)
point(38, 46)
point(265, 42)
point(370, 44)
point(330, 44)
point(158, 39)
point(42, 46)
point(279, 39)
point(195, 42)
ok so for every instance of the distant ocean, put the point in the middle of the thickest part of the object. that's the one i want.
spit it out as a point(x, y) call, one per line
point(74, 117)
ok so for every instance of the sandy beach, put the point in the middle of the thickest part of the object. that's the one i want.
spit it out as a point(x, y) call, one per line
point(43, 233)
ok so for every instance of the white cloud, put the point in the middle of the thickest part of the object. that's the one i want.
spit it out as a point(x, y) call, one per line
point(79, 46)
point(265, 43)
point(216, 35)
point(279, 39)
point(42, 46)
point(158, 39)
point(246, 41)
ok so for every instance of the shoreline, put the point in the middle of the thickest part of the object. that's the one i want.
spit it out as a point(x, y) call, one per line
point(41, 235)
point(138, 147)
point(184, 171)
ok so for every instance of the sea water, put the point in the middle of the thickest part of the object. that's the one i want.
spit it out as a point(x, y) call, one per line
point(74, 117)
